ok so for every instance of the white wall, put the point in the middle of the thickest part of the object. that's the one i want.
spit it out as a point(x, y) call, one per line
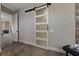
point(26, 26)
point(62, 21)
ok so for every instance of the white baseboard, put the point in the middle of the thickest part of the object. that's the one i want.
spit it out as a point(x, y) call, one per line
point(33, 44)
point(26, 42)
point(47, 48)
point(57, 49)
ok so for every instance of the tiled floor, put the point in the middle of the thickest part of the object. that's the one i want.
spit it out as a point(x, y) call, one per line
point(21, 49)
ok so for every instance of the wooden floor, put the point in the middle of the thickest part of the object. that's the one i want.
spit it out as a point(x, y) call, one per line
point(21, 49)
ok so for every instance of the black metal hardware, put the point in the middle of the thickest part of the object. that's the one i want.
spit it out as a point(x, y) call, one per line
point(38, 7)
point(47, 27)
point(30, 9)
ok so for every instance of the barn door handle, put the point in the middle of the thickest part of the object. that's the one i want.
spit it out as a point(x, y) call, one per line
point(47, 27)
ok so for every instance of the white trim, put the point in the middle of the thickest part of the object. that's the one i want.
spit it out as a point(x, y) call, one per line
point(41, 23)
point(43, 39)
point(50, 48)
point(34, 44)
point(41, 31)
point(57, 49)
point(43, 15)
point(41, 8)
point(35, 26)
point(41, 47)
point(26, 42)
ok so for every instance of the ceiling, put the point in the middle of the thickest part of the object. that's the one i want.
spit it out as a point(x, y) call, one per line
point(18, 6)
